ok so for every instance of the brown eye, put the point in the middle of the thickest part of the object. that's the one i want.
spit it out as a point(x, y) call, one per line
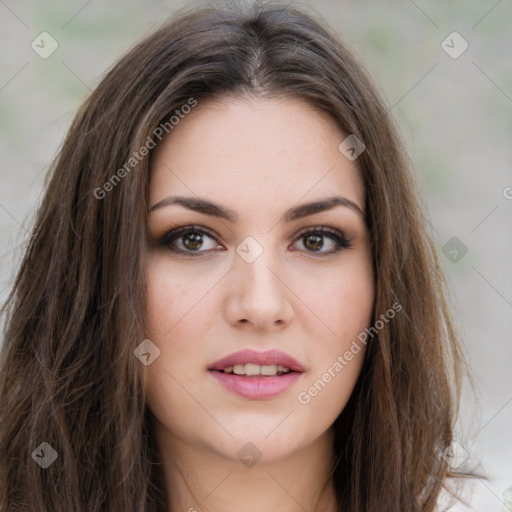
point(190, 240)
point(313, 242)
point(323, 240)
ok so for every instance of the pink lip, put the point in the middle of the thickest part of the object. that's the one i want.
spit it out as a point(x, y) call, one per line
point(261, 358)
point(254, 387)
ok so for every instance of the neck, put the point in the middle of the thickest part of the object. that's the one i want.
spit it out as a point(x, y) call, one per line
point(199, 479)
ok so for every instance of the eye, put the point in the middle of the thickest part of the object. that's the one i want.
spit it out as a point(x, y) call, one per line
point(190, 240)
point(314, 240)
point(194, 240)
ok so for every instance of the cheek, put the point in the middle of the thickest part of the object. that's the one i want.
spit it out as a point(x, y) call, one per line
point(347, 301)
point(331, 308)
point(173, 306)
point(344, 304)
point(341, 299)
point(176, 321)
point(166, 294)
point(175, 302)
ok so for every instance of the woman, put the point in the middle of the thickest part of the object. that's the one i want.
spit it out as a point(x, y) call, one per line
point(229, 300)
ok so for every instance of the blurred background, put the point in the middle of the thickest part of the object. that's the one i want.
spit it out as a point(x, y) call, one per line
point(445, 69)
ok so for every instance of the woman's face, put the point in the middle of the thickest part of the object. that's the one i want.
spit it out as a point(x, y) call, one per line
point(250, 184)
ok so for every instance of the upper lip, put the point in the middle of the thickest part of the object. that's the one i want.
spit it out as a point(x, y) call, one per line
point(268, 357)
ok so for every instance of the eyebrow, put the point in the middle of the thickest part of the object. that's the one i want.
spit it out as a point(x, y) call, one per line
point(297, 212)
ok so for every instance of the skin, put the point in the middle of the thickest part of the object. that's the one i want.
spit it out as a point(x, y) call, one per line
point(257, 157)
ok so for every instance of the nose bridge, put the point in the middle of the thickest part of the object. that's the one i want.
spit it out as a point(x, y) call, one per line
point(255, 259)
point(258, 295)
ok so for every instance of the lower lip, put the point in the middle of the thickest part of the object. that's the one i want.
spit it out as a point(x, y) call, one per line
point(256, 388)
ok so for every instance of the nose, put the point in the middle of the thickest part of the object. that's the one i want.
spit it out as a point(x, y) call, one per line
point(258, 296)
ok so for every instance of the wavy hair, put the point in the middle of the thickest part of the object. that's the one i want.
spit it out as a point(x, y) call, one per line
point(68, 375)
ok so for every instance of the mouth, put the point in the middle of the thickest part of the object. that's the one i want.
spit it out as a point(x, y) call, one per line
point(257, 375)
point(255, 370)
point(252, 363)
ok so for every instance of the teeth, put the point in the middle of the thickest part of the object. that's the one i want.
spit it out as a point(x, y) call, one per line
point(239, 369)
point(250, 369)
point(269, 369)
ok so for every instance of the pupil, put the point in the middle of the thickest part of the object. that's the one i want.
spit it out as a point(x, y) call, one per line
point(192, 241)
point(314, 242)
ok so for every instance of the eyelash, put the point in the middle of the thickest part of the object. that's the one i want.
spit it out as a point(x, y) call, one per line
point(337, 236)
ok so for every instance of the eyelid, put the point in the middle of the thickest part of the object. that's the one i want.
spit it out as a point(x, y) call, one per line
point(338, 236)
point(174, 233)
point(320, 228)
point(335, 234)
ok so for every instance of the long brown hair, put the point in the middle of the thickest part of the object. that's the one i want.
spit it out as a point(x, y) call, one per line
point(68, 375)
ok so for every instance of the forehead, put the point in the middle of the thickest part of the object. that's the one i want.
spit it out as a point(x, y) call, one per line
point(275, 150)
